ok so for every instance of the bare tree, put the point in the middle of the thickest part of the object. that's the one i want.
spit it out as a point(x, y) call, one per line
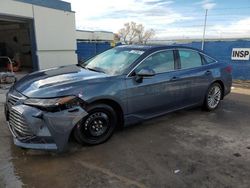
point(128, 33)
point(133, 33)
point(148, 35)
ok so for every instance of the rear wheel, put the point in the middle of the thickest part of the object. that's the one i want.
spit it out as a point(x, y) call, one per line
point(97, 127)
point(213, 97)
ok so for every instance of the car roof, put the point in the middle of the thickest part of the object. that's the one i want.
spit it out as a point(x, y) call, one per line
point(156, 47)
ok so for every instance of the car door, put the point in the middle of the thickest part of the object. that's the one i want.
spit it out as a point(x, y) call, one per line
point(154, 94)
point(194, 75)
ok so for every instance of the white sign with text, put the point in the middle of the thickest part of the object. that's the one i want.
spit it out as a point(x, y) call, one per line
point(240, 54)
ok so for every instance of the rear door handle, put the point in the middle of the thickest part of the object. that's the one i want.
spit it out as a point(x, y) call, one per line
point(208, 72)
point(174, 78)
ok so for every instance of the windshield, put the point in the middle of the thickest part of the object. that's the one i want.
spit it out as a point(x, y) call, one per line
point(114, 61)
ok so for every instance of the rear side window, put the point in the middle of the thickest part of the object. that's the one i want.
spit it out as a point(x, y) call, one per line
point(189, 59)
point(208, 60)
point(159, 62)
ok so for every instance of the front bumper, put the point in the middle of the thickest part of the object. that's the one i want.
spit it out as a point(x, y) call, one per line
point(36, 129)
point(31, 145)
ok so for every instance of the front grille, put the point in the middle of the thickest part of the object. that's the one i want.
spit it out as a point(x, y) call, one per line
point(12, 100)
point(19, 125)
point(13, 97)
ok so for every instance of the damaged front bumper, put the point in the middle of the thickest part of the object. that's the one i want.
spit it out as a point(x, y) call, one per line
point(37, 129)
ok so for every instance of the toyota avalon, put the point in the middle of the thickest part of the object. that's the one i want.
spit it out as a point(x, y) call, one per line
point(121, 86)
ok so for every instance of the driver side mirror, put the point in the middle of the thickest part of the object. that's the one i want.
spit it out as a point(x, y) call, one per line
point(144, 73)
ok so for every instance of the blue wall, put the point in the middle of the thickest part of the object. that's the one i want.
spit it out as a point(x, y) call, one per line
point(86, 50)
point(221, 50)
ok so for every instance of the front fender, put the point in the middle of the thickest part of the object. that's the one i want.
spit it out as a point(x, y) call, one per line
point(60, 124)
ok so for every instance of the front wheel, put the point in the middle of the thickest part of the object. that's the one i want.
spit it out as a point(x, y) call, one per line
point(213, 97)
point(97, 127)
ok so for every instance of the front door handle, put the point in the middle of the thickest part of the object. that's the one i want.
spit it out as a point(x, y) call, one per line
point(208, 72)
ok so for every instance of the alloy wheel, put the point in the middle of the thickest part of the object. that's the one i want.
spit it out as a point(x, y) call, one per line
point(214, 96)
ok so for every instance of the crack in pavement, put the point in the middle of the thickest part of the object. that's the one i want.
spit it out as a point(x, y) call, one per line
point(111, 174)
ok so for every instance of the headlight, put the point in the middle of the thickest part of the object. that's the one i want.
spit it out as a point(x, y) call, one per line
point(54, 104)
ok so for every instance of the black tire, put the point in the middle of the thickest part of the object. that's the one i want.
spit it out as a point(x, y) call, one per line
point(212, 102)
point(97, 127)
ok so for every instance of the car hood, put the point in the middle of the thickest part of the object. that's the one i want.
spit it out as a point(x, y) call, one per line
point(55, 82)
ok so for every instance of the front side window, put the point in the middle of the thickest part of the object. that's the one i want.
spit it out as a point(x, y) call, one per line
point(114, 61)
point(159, 62)
point(189, 59)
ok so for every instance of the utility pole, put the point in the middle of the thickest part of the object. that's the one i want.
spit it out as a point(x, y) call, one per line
point(204, 31)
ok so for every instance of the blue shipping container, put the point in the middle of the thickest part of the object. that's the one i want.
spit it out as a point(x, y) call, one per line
point(86, 50)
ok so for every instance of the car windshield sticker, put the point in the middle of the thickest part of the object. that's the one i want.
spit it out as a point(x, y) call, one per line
point(136, 52)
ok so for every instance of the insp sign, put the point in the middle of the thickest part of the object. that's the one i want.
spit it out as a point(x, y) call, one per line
point(240, 54)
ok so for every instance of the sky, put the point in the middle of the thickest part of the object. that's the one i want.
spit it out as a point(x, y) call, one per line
point(171, 19)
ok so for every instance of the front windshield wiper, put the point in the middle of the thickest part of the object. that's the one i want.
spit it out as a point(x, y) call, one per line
point(96, 69)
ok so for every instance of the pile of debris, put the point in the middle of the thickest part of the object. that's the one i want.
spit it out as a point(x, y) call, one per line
point(7, 78)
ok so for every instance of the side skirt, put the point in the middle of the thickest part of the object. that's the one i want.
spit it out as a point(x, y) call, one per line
point(131, 119)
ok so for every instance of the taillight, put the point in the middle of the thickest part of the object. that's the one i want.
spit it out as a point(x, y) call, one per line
point(229, 69)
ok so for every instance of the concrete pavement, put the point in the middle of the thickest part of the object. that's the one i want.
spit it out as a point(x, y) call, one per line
point(189, 148)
